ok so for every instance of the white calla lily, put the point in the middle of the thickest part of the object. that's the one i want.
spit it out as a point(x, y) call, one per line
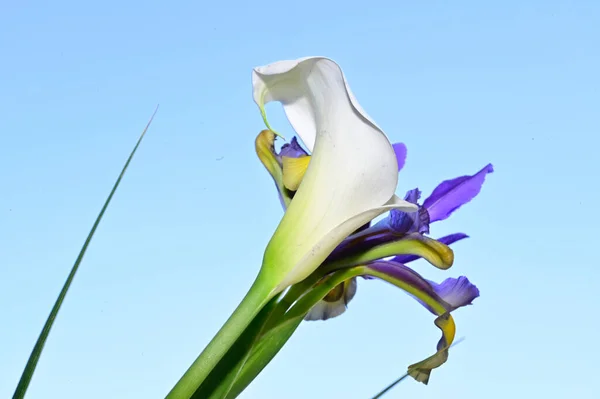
point(352, 175)
point(351, 179)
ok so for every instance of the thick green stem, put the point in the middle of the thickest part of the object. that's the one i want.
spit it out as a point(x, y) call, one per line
point(274, 339)
point(262, 356)
point(222, 377)
point(256, 298)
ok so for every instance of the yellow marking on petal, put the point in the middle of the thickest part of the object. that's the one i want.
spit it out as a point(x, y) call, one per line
point(438, 254)
point(265, 149)
point(335, 302)
point(420, 371)
point(335, 294)
point(293, 171)
point(444, 252)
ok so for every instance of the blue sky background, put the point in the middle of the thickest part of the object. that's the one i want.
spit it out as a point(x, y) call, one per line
point(513, 83)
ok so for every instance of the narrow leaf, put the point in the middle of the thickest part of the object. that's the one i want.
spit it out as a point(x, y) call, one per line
point(393, 384)
point(41, 341)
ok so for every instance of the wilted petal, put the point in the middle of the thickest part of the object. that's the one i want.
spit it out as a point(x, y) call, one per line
point(452, 194)
point(353, 170)
point(439, 299)
point(422, 370)
point(334, 303)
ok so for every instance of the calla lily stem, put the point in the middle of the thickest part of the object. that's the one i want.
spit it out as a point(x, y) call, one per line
point(257, 297)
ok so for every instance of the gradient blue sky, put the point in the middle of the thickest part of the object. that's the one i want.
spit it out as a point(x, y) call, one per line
point(515, 83)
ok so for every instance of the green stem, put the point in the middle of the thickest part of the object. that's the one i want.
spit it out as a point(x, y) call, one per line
point(257, 297)
point(285, 325)
point(260, 358)
point(221, 379)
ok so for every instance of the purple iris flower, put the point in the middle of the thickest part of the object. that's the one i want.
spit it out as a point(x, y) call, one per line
point(446, 198)
point(452, 293)
point(440, 299)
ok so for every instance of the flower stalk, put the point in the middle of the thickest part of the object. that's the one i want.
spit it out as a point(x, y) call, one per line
point(257, 297)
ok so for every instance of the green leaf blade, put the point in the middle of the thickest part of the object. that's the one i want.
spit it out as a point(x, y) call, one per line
point(34, 357)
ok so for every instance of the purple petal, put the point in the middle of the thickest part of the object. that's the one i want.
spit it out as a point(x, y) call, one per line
point(456, 292)
point(400, 150)
point(413, 195)
point(452, 238)
point(452, 194)
point(351, 245)
point(404, 223)
point(451, 294)
point(292, 150)
point(449, 239)
point(405, 274)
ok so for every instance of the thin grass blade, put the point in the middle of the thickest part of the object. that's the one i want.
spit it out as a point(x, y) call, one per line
point(41, 341)
point(393, 384)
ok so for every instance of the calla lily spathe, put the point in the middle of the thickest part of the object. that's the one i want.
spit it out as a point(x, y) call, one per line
point(352, 175)
point(350, 179)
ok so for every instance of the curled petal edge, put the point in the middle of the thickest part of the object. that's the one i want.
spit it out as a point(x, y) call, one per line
point(317, 255)
point(353, 169)
point(421, 371)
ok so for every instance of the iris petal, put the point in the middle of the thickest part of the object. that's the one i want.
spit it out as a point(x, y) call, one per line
point(447, 197)
point(293, 171)
point(436, 253)
point(400, 150)
point(265, 149)
point(440, 299)
point(421, 371)
point(292, 149)
point(286, 183)
point(335, 302)
point(447, 240)
point(456, 292)
point(452, 194)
